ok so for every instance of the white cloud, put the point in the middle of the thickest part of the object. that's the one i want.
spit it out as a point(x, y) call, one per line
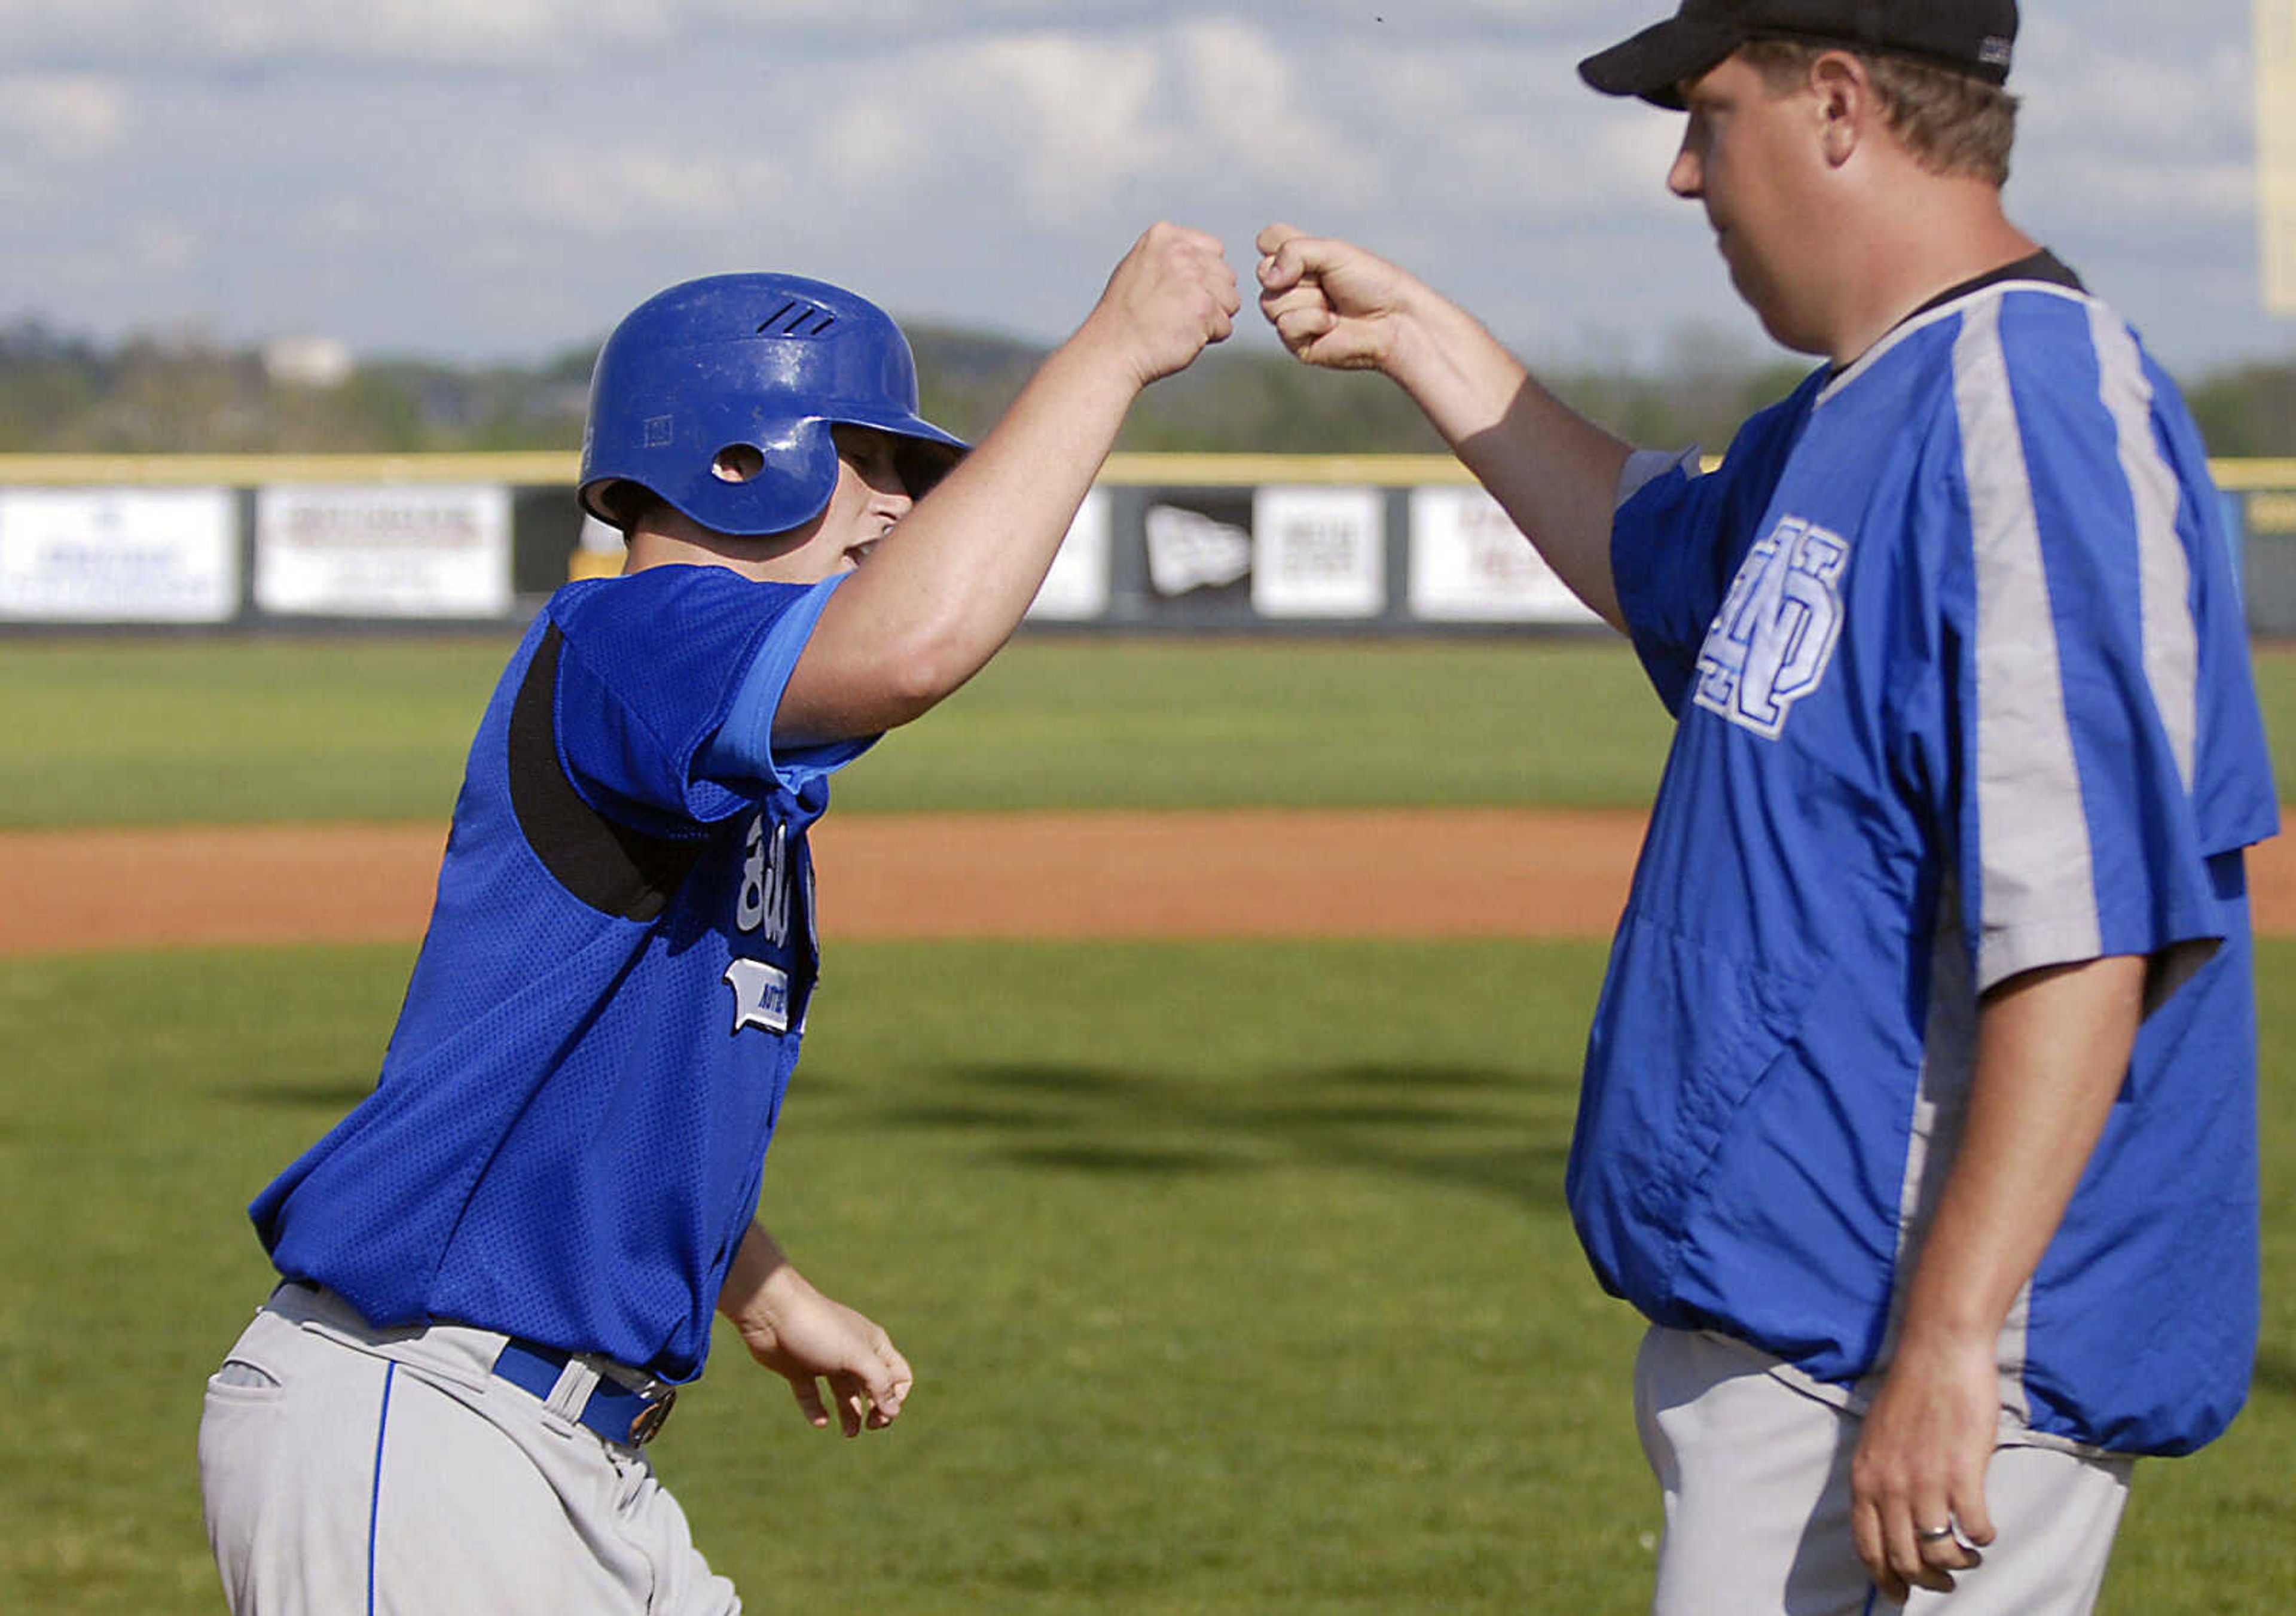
point(266, 33)
point(139, 263)
point(616, 191)
point(61, 117)
point(248, 31)
point(1072, 121)
point(53, 128)
point(484, 176)
point(162, 247)
point(519, 33)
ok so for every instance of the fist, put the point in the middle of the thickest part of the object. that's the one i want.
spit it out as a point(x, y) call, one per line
point(1172, 297)
point(1334, 305)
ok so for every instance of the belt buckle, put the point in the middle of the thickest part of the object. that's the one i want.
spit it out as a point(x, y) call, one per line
point(649, 1422)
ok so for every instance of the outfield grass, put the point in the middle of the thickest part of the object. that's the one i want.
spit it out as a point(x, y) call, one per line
point(148, 732)
point(1236, 1276)
point(131, 732)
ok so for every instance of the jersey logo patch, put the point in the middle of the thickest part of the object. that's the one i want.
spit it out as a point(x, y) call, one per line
point(1774, 636)
point(761, 994)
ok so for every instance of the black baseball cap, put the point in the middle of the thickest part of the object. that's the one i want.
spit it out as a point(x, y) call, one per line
point(1972, 37)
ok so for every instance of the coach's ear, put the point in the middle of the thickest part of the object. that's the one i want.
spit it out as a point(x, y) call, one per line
point(1841, 88)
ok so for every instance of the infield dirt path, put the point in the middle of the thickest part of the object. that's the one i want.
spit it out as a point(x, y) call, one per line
point(1476, 873)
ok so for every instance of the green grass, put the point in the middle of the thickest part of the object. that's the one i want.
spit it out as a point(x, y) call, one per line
point(177, 731)
point(202, 732)
point(1305, 723)
point(191, 732)
point(150, 732)
point(1236, 1276)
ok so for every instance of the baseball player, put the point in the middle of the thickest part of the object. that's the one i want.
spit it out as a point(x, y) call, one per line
point(497, 1268)
point(1919, 1109)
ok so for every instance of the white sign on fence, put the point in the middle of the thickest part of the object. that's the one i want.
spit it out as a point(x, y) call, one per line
point(1076, 590)
point(400, 551)
point(118, 555)
point(1469, 563)
point(1318, 553)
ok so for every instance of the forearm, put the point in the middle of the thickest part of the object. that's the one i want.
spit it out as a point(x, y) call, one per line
point(763, 1288)
point(956, 577)
point(2053, 1050)
point(1555, 472)
point(812, 1341)
point(758, 1265)
point(952, 580)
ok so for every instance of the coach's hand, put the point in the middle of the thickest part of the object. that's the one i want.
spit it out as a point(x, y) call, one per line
point(1917, 1481)
point(808, 1339)
point(1334, 305)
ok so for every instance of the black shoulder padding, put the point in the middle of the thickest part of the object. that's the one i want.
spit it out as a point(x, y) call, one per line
point(610, 866)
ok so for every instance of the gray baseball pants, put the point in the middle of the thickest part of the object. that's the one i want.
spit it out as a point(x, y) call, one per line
point(352, 1471)
point(1755, 1473)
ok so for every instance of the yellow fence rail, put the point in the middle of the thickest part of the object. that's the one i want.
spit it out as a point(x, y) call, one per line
point(541, 468)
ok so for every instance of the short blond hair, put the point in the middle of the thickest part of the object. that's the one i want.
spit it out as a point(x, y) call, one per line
point(1952, 123)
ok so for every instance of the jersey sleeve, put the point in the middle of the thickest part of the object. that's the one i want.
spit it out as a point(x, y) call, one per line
point(1678, 538)
point(651, 668)
point(2099, 652)
point(741, 752)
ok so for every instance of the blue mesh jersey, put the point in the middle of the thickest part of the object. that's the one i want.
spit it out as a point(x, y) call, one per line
point(1955, 646)
point(569, 1132)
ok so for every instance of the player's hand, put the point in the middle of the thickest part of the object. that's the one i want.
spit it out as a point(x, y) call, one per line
point(1920, 1465)
point(810, 1340)
point(1172, 297)
point(1334, 305)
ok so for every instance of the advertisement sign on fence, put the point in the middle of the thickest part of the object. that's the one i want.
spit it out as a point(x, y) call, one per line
point(408, 551)
point(118, 555)
point(1318, 553)
point(1469, 563)
point(1195, 557)
point(1076, 590)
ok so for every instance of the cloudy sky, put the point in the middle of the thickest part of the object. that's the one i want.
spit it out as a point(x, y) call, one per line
point(480, 179)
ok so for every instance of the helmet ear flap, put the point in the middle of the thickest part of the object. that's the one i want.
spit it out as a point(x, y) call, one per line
point(619, 502)
point(739, 486)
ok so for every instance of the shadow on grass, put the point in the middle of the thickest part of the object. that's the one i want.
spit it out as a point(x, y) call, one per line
point(1107, 1159)
point(1500, 1132)
point(2276, 1372)
point(334, 1093)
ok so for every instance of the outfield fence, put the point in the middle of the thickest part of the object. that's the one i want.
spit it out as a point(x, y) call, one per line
point(1401, 544)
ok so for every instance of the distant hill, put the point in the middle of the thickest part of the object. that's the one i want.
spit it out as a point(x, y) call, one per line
point(61, 393)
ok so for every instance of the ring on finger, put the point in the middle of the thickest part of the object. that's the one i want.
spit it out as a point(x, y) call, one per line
point(1934, 1534)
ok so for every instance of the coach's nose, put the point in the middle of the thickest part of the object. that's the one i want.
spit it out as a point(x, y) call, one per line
point(1687, 176)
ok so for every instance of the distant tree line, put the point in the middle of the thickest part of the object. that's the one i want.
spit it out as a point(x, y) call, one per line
point(65, 394)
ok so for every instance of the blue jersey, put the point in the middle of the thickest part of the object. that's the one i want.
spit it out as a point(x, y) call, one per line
point(1954, 644)
point(569, 1132)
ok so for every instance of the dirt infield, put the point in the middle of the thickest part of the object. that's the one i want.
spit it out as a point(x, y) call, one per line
point(1489, 872)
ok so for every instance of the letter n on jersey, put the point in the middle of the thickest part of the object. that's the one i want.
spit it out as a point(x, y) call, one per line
point(1769, 645)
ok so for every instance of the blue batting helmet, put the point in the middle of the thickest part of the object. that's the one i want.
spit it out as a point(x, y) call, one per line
point(771, 362)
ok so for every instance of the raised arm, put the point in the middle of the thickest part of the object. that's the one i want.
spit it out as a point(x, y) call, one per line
point(1555, 472)
point(949, 585)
